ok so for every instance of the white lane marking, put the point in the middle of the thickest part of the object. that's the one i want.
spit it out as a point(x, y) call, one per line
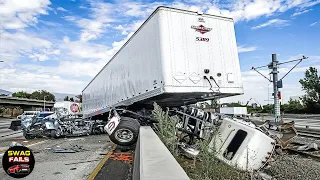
point(31, 145)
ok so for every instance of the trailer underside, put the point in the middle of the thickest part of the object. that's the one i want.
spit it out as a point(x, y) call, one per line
point(164, 100)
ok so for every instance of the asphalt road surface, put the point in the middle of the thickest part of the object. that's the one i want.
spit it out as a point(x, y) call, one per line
point(96, 150)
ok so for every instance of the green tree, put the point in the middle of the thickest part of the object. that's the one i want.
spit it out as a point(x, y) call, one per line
point(66, 98)
point(71, 99)
point(311, 85)
point(267, 108)
point(21, 94)
point(233, 104)
point(41, 94)
point(293, 106)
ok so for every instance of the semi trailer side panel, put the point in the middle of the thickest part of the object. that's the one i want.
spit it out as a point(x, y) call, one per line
point(166, 60)
point(134, 70)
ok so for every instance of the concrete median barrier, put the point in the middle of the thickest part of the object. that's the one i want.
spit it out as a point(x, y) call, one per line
point(153, 161)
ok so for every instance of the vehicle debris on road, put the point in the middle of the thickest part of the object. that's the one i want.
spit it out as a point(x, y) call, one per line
point(73, 149)
point(59, 124)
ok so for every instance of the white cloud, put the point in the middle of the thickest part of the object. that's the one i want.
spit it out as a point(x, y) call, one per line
point(309, 3)
point(16, 14)
point(312, 24)
point(137, 9)
point(38, 57)
point(301, 12)
point(246, 48)
point(127, 28)
point(256, 86)
point(84, 50)
point(19, 44)
point(15, 80)
point(245, 10)
point(273, 23)
point(92, 28)
point(61, 9)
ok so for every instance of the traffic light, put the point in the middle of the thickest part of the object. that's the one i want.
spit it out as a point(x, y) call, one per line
point(279, 95)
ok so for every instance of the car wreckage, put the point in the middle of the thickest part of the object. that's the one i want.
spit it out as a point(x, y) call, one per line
point(57, 124)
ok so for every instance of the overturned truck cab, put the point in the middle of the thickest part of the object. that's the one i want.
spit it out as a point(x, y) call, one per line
point(243, 145)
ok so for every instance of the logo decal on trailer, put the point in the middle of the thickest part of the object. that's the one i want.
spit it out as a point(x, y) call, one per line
point(202, 39)
point(200, 19)
point(201, 29)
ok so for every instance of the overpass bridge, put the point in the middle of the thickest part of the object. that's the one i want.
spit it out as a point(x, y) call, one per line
point(25, 104)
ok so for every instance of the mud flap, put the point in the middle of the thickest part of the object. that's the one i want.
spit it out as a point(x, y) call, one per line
point(15, 125)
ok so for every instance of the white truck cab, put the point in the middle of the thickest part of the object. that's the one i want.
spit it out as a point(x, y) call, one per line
point(67, 108)
point(242, 145)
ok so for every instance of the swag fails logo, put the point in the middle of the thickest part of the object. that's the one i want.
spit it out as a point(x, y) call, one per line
point(18, 161)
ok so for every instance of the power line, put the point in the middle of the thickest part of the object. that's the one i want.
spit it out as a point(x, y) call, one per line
point(277, 84)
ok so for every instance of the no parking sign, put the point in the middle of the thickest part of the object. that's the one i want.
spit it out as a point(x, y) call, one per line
point(74, 108)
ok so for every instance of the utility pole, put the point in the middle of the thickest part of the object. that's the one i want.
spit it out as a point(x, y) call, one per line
point(277, 83)
point(44, 103)
point(274, 67)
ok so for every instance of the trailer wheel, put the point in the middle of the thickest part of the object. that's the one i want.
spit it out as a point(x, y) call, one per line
point(126, 133)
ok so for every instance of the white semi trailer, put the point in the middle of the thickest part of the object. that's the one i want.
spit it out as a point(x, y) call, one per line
point(176, 58)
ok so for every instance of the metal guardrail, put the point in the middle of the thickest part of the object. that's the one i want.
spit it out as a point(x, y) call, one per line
point(153, 161)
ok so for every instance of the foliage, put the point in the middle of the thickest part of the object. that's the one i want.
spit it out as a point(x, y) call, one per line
point(40, 95)
point(233, 104)
point(21, 94)
point(267, 108)
point(43, 94)
point(3, 95)
point(71, 99)
point(311, 85)
point(66, 98)
point(166, 128)
point(207, 167)
point(293, 106)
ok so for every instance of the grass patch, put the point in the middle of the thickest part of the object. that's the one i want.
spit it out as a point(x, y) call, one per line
point(205, 166)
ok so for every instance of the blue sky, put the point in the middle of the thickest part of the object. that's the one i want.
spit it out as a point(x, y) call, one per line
point(61, 45)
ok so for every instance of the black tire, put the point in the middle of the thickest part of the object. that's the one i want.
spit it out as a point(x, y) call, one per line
point(54, 134)
point(28, 136)
point(127, 124)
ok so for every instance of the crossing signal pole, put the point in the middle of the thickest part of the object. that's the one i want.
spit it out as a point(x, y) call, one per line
point(277, 83)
